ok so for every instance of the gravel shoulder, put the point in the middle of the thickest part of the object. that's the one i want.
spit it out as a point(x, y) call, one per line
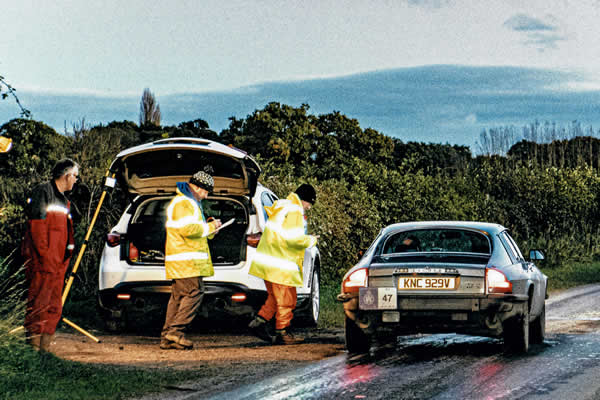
point(221, 360)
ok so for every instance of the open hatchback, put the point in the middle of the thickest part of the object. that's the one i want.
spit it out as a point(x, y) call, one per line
point(132, 278)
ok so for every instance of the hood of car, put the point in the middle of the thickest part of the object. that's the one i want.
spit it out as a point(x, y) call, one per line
point(156, 167)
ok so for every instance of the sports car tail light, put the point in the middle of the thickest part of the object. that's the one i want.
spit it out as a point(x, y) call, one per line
point(113, 239)
point(497, 282)
point(133, 252)
point(253, 239)
point(355, 280)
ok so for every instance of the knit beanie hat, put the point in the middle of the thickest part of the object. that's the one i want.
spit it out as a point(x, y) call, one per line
point(307, 193)
point(203, 180)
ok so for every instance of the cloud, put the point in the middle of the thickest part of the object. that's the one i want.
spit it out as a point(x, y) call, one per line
point(471, 119)
point(542, 35)
point(543, 42)
point(429, 3)
point(524, 23)
point(438, 103)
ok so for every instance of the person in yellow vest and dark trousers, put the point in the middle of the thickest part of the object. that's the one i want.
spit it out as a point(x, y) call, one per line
point(278, 260)
point(187, 257)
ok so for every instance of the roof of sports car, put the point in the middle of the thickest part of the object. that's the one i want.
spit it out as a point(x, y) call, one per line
point(481, 226)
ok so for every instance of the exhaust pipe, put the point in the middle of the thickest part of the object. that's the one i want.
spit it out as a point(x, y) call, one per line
point(140, 303)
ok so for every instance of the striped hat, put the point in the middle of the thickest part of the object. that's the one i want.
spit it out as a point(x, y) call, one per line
point(203, 180)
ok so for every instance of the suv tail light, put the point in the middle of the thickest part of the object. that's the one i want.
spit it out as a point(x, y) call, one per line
point(133, 252)
point(355, 280)
point(113, 239)
point(253, 239)
point(497, 282)
point(238, 297)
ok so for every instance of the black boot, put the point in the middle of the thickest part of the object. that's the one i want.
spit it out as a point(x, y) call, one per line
point(285, 337)
point(258, 327)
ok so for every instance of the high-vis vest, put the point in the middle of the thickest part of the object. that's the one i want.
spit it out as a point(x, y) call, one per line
point(280, 252)
point(186, 251)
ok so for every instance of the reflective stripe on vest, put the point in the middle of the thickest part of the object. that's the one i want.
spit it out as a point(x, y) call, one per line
point(195, 255)
point(276, 262)
point(189, 220)
point(59, 209)
point(276, 224)
point(288, 234)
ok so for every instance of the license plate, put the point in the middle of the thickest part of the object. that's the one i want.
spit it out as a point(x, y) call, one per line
point(378, 298)
point(426, 283)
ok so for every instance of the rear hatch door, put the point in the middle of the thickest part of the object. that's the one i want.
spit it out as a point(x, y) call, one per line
point(155, 168)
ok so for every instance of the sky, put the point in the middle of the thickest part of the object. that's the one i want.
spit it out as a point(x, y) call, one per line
point(93, 59)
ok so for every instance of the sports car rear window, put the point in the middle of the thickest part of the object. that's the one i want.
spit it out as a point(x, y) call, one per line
point(436, 241)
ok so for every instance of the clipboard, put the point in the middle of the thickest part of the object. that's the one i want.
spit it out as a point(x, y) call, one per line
point(224, 225)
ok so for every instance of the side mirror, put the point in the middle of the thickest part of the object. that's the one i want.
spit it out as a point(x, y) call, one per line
point(536, 254)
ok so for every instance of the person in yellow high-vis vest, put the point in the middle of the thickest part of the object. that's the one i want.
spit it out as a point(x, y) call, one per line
point(278, 260)
point(187, 257)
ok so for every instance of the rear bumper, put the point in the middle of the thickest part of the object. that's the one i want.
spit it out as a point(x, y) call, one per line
point(476, 315)
point(142, 295)
point(217, 298)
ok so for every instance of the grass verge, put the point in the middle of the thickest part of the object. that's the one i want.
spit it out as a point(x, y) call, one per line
point(332, 311)
point(572, 275)
point(26, 374)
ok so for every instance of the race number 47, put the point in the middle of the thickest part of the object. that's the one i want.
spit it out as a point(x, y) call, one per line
point(378, 298)
point(386, 299)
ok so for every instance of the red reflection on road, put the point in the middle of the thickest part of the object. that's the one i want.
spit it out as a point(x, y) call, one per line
point(486, 377)
point(359, 373)
point(488, 371)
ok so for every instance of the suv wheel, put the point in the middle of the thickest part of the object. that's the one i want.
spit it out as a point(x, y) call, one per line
point(310, 317)
point(315, 303)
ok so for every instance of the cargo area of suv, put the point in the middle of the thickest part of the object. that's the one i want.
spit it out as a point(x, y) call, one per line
point(145, 239)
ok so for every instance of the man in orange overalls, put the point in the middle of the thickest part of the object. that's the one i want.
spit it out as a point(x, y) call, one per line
point(47, 246)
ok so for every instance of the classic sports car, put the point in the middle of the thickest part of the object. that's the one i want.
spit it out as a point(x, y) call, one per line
point(433, 277)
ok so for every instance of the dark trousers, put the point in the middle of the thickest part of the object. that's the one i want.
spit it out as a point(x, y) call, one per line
point(186, 298)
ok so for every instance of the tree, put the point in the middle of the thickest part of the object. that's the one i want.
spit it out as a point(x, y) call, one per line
point(281, 133)
point(40, 147)
point(197, 128)
point(149, 109)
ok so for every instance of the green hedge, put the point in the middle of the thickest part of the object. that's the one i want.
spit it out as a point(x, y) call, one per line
point(364, 182)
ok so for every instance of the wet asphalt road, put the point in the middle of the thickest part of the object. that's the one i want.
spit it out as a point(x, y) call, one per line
point(565, 366)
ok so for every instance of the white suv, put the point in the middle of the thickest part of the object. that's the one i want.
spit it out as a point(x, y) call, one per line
point(132, 275)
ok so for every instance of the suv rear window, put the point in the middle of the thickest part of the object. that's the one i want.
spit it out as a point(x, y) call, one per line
point(172, 162)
